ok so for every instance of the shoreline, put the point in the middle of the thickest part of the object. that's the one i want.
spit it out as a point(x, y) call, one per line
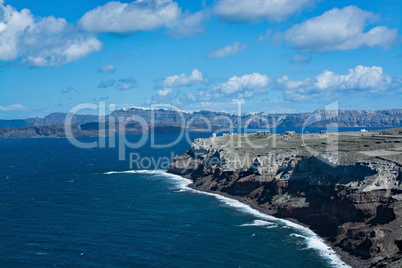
point(186, 184)
point(346, 259)
point(354, 205)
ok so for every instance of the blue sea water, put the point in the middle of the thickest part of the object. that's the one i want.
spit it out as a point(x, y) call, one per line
point(65, 206)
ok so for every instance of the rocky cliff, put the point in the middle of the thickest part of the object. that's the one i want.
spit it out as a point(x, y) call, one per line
point(346, 187)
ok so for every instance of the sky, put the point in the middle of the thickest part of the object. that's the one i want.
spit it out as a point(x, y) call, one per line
point(270, 56)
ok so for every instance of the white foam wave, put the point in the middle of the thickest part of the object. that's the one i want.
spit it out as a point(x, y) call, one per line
point(313, 241)
point(324, 249)
point(298, 235)
point(262, 223)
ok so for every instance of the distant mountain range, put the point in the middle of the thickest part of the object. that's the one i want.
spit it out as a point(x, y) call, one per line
point(166, 120)
point(51, 119)
point(319, 118)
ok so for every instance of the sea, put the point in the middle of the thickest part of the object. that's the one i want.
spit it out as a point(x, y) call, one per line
point(64, 206)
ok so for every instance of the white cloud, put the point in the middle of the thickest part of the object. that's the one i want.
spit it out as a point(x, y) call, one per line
point(107, 68)
point(357, 81)
point(362, 78)
point(236, 88)
point(228, 50)
point(245, 83)
point(187, 24)
point(165, 91)
point(46, 41)
point(255, 10)
point(12, 107)
point(141, 15)
point(340, 29)
point(182, 80)
point(126, 83)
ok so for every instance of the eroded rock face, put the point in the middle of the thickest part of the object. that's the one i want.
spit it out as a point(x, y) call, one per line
point(356, 207)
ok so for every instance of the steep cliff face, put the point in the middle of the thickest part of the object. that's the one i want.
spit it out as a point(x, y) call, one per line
point(355, 204)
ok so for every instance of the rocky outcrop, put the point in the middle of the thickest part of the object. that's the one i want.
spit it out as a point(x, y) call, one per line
point(356, 204)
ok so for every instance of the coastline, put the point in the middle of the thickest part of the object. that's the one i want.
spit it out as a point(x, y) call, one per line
point(354, 205)
point(349, 260)
point(335, 256)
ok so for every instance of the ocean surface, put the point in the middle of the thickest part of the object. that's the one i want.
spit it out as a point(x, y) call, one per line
point(65, 206)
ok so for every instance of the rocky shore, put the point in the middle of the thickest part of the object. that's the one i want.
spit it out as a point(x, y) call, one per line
point(346, 187)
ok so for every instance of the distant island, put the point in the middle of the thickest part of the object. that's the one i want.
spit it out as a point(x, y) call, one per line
point(168, 121)
point(347, 187)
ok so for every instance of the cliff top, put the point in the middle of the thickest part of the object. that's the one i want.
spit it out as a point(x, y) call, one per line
point(343, 148)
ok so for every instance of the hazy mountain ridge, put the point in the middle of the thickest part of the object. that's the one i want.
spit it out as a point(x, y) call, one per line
point(319, 118)
point(51, 119)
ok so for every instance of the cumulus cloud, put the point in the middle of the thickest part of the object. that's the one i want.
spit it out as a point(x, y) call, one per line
point(165, 91)
point(235, 89)
point(107, 68)
point(361, 78)
point(166, 95)
point(141, 15)
point(126, 83)
point(300, 58)
point(228, 50)
point(238, 88)
point(340, 29)
point(41, 41)
point(106, 84)
point(187, 24)
point(255, 10)
point(182, 80)
point(12, 107)
point(246, 83)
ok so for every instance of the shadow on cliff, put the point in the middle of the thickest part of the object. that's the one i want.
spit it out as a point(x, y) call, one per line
point(317, 196)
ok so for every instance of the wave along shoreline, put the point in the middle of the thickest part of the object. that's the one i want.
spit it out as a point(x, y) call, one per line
point(313, 241)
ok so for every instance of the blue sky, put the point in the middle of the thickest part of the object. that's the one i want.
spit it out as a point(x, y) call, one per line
point(295, 56)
